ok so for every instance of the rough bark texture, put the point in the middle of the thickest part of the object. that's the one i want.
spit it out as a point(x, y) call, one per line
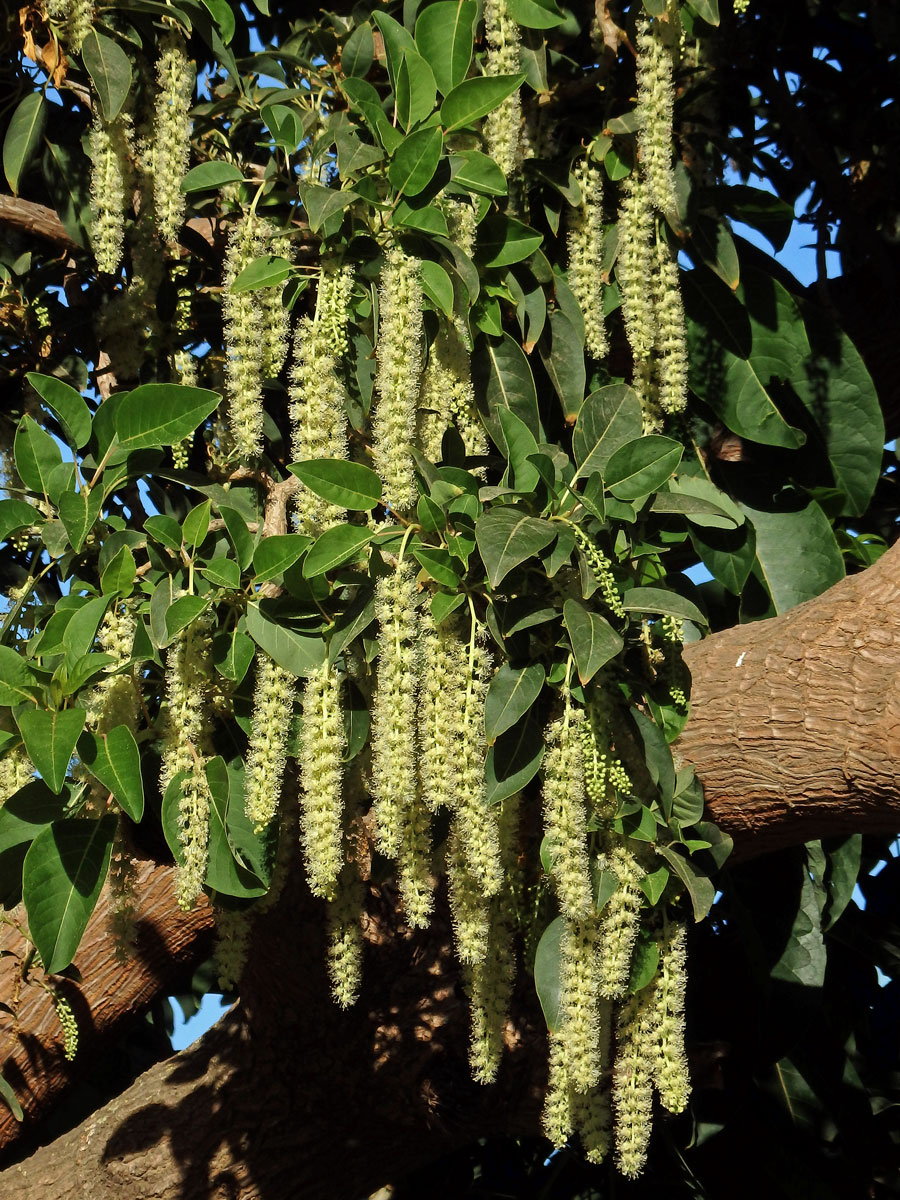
point(795, 733)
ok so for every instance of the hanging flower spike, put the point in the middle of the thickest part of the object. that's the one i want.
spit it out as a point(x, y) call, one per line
point(476, 822)
point(670, 1069)
point(442, 698)
point(635, 272)
point(579, 998)
point(656, 101)
point(171, 148)
point(592, 1113)
point(469, 910)
point(502, 126)
point(585, 244)
point(621, 921)
point(232, 946)
point(276, 320)
point(565, 820)
point(76, 18)
point(273, 705)
point(345, 938)
point(399, 354)
point(243, 336)
point(111, 148)
point(556, 1117)
point(632, 1091)
point(323, 744)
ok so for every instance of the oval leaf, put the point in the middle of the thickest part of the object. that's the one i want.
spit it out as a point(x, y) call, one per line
point(333, 547)
point(266, 271)
point(444, 37)
point(23, 136)
point(115, 760)
point(110, 71)
point(642, 466)
point(210, 175)
point(50, 739)
point(510, 695)
point(67, 406)
point(594, 641)
point(474, 98)
point(506, 536)
point(161, 414)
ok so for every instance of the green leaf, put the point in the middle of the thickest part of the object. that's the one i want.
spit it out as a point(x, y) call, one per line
point(548, 972)
point(165, 530)
point(608, 419)
point(427, 218)
point(66, 405)
point(477, 172)
point(396, 41)
point(562, 353)
point(510, 695)
point(50, 739)
point(228, 867)
point(644, 962)
point(110, 71)
point(11, 1100)
point(195, 526)
point(183, 612)
point(16, 514)
point(266, 271)
point(503, 240)
point(37, 455)
point(415, 91)
point(285, 124)
point(26, 812)
point(699, 887)
point(843, 863)
point(119, 574)
point(804, 957)
point(350, 624)
point(438, 287)
point(708, 10)
point(439, 564)
point(642, 466)
point(444, 36)
point(322, 202)
point(275, 554)
point(64, 871)
point(797, 553)
point(654, 884)
point(415, 161)
point(513, 760)
point(23, 136)
point(16, 680)
point(241, 538)
point(503, 379)
point(594, 641)
point(535, 14)
point(704, 504)
point(162, 414)
point(209, 175)
point(78, 636)
point(293, 651)
point(657, 756)
point(334, 547)
point(358, 53)
point(232, 654)
point(728, 554)
point(115, 760)
point(346, 484)
point(474, 98)
point(221, 13)
point(507, 536)
point(714, 245)
point(659, 600)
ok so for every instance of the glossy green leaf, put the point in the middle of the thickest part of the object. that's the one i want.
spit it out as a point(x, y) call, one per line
point(295, 652)
point(535, 14)
point(427, 218)
point(67, 406)
point(210, 175)
point(503, 379)
point(110, 71)
point(608, 419)
point(642, 466)
point(415, 161)
point(444, 38)
point(269, 270)
point(438, 287)
point(223, 16)
point(707, 9)
point(548, 971)
point(81, 630)
point(241, 538)
point(15, 515)
point(797, 553)
point(415, 91)
point(162, 414)
point(23, 136)
point(28, 811)
point(50, 739)
point(510, 695)
point(351, 623)
point(660, 600)
point(165, 530)
point(232, 654)
point(644, 963)
point(334, 547)
point(711, 240)
point(285, 124)
point(507, 536)
point(474, 98)
point(16, 679)
point(657, 757)
point(37, 455)
point(562, 352)
point(119, 573)
point(728, 554)
point(477, 172)
point(11, 1100)
point(440, 564)
point(115, 760)
point(349, 485)
point(322, 202)
point(503, 240)
point(518, 446)
point(183, 612)
point(594, 641)
point(513, 760)
point(698, 886)
point(195, 526)
point(804, 956)
point(358, 53)
point(703, 503)
point(844, 859)
point(64, 871)
point(275, 554)
point(228, 868)
point(396, 41)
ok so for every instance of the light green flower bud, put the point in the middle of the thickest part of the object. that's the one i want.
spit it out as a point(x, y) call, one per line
point(171, 148)
point(399, 353)
point(68, 1022)
point(632, 1088)
point(16, 769)
point(565, 820)
point(604, 774)
point(111, 150)
point(621, 920)
point(345, 938)
point(502, 126)
point(656, 100)
point(585, 244)
point(601, 568)
point(273, 706)
point(323, 744)
point(394, 706)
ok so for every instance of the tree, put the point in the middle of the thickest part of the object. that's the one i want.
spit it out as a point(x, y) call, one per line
point(412, 591)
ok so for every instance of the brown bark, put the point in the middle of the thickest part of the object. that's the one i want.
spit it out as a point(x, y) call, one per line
point(795, 732)
point(36, 219)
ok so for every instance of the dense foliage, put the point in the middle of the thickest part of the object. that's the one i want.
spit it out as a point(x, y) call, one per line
point(389, 372)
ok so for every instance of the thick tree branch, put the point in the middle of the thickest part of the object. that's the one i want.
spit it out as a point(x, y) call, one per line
point(35, 219)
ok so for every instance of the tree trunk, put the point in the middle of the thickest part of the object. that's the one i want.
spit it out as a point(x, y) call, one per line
point(795, 731)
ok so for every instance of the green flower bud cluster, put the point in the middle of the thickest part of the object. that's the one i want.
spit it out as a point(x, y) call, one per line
point(397, 378)
point(741, 6)
point(490, 979)
point(323, 744)
point(502, 126)
point(171, 148)
point(656, 101)
point(183, 750)
point(671, 344)
point(317, 393)
point(672, 632)
point(273, 705)
point(632, 1090)
point(604, 774)
point(184, 366)
point(621, 921)
point(585, 244)
point(393, 739)
point(68, 1023)
point(345, 938)
point(111, 150)
point(565, 817)
point(75, 18)
point(601, 568)
point(670, 1065)
point(233, 930)
point(243, 337)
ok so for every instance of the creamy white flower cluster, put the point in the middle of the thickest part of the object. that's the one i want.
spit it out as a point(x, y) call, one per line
point(323, 744)
point(75, 18)
point(111, 155)
point(502, 126)
point(585, 244)
point(171, 146)
point(317, 393)
point(273, 705)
